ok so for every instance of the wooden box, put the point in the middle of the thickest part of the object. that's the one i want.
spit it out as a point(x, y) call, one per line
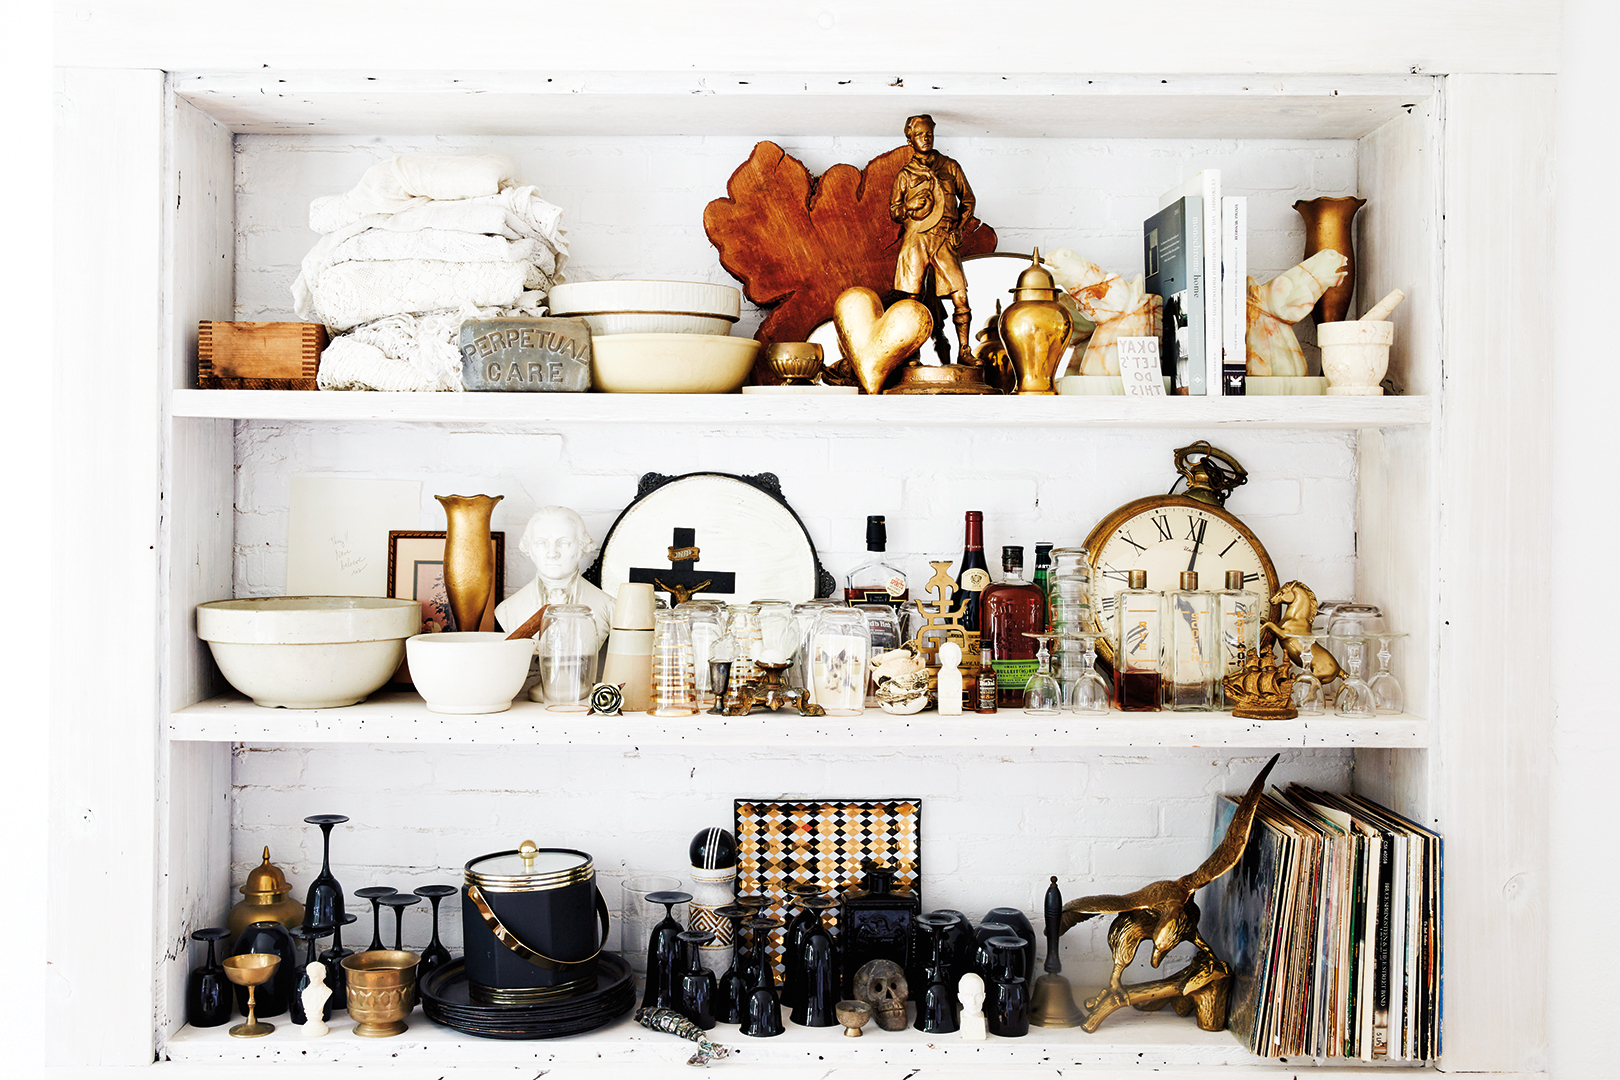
point(258, 355)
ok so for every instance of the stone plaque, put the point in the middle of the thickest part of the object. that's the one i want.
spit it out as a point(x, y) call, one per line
point(521, 353)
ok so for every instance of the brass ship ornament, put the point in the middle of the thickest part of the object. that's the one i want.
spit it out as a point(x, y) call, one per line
point(1261, 689)
point(1164, 914)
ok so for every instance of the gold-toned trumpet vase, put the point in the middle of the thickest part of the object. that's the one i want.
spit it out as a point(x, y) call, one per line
point(251, 970)
point(382, 990)
point(469, 563)
point(1330, 223)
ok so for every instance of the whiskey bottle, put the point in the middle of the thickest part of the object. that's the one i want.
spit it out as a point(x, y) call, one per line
point(1238, 615)
point(1190, 647)
point(876, 581)
point(1008, 610)
point(1137, 682)
point(985, 695)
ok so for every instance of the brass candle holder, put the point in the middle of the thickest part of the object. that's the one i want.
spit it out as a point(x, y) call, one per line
point(252, 970)
point(382, 991)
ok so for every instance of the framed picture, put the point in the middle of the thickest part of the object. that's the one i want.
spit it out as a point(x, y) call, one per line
point(416, 572)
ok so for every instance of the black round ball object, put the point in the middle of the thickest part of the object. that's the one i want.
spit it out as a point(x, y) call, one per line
point(714, 849)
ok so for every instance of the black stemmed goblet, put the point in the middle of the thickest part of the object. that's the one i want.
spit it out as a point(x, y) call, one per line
point(818, 968)
point(762, 1012)
point(399, 901)
point(375, 893)
point(323, 906)
point(336, 978)
point(697, 981)
point(936, 1009)
point(732, 991)
point(798, 928)
point(208, 991)
point(435, 955)
point(1006, 1005)
point(311, 936)
point(664, 954)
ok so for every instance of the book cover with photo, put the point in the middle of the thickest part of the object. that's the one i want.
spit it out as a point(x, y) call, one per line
point(1173, 254)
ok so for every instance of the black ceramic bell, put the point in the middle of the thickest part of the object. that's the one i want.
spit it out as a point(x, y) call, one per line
point(793, 943)
point(375, 893)
point(874, 923)
point(1021, 927)
point(435, 956)
point(936, 1006)
point(762, 1012)
point(818, 967)
point(336, 976)
point(310, 936)
point(732, 990)
point(399, 901)
point(208, 991)
point(323, 905)
point(664, 954)
point(1006, 1004)
point(271, 998)
point(697, 981)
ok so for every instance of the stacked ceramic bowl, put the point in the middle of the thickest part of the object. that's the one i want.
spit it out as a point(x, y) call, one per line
point(660, 337)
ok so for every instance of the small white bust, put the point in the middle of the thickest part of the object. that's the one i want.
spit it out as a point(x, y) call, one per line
point(314, 1001)
point(970, 994)
point(950, 679)
point(556, 540)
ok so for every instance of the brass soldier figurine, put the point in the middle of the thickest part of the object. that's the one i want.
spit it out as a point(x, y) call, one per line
point(930, 200)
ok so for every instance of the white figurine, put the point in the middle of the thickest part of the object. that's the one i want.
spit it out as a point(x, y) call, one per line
point(314, 1001)
point(970, 995)
point(556, 541)
point(950, 679)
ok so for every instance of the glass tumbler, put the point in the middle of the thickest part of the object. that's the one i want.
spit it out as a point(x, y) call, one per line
point(840, 647)
point(674, 680)
point(742, 625)
point(883, 624)
point(804, 621)
point(777, 641)
point(638, 915)
point(567, 650)
point(706, 627)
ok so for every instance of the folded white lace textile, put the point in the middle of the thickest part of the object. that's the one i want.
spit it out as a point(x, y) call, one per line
point(412, 180)
point(407, 352)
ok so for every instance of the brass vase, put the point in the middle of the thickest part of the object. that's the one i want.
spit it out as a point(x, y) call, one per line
point(1330, 223)
point(469, 561)
point(1035, 329)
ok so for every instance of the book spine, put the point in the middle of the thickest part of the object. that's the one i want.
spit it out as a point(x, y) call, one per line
point(1381, 943)
point(1234, 294)
point(1211, 222)
point(1198, 340)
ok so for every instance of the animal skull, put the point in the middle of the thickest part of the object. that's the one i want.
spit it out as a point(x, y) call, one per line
point(882, 985)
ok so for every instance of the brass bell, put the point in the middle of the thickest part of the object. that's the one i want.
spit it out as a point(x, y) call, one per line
point(265, 899)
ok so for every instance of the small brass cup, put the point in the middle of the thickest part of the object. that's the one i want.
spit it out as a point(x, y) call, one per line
point(252, 970)
point(796, 363)
point(382, 990)
point(853, 1015)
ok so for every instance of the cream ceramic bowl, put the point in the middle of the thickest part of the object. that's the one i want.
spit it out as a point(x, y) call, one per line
point(654, 322)
point(671, 363)
point(670, 297)
point(467, 672)
point(308, 652)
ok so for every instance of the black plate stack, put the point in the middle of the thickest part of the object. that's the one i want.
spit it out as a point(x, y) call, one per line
point(446, 1000)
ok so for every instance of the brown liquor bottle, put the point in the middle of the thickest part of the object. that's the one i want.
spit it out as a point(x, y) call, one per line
point(1007, 611)
point(985, 695)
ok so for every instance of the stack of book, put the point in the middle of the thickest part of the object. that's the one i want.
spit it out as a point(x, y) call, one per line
point(1196, 252)
point(1331, 923)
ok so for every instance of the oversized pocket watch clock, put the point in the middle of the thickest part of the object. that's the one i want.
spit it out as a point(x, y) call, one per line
point(1166, 534)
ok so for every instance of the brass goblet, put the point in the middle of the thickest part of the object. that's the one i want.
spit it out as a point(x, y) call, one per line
point(796, 363)
point(251, 970)
point(382, 990)
point(853, 1015)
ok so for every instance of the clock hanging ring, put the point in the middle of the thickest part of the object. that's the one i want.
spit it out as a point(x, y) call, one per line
point(1167, 534)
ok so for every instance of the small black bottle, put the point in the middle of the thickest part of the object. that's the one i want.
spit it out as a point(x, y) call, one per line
point(874, 923)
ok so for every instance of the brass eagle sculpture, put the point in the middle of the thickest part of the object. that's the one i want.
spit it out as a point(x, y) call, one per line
point(1165, 914)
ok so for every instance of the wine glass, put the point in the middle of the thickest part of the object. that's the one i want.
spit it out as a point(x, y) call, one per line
point(1307, 689)
point(1088, 693)
point(1042, 694)
point(435, 955)
point(375, 893)
point(208, 991)
point(399, 901)
point(1355, 697)
point(1388, 696)
point(323, 905)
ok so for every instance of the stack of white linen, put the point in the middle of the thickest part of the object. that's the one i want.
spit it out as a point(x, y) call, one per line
point(421, 243)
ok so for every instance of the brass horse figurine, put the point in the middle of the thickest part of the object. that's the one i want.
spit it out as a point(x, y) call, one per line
point(1299, 611)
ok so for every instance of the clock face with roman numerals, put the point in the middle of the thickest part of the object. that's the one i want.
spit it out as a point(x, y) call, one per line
point(1164, 535)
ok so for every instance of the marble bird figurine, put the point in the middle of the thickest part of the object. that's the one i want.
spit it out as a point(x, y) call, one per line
point(1164, 912)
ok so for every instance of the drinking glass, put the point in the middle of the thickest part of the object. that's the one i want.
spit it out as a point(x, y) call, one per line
point(1307, 690)
point(1042, 694)
point(804, 621)
point(1355, 697)
point(884, 625)
point(1388, 696)
point(674, 681)
point(567, 651)
point(777, 641)
point(1088, 692)
point(323, 904)
point(742, 625)
point(638, 916)
point(706, 621)
point(840, 648)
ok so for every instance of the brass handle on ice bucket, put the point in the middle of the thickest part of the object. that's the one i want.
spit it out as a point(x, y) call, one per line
point(538, 959)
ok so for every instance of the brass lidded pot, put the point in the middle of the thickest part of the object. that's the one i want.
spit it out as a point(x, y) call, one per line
point(1035, 329)
point(266, 899)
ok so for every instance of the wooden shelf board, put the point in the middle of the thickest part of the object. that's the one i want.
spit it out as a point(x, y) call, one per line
point(401, 717)
point(777, 105)
point(734, 410)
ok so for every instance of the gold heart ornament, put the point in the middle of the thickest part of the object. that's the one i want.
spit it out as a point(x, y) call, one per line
point(877, 341)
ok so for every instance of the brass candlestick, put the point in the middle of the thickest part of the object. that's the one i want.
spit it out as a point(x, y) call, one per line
point(251, 970)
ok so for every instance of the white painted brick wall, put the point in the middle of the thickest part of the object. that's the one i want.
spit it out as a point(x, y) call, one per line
point(994, 826)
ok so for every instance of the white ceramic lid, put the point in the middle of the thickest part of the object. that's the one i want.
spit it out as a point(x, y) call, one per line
point(682, 297)
point(307, 620)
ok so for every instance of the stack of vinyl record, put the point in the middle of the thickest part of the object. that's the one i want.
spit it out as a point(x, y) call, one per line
point(447, 999)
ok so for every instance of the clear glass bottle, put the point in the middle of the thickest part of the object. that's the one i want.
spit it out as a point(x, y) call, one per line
point(674, 690)
point(1239, 614)
point(840, 646)
point(1009, 611)
point(877, 581)
point(1190, 647)
point(1138, 683)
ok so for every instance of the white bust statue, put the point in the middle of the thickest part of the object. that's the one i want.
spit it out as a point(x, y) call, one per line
point(314, 1001)
point(556, 541)
point(970, 993)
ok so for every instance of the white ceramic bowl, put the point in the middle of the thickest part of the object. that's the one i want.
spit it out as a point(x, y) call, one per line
point(468, 672)
point(654, 322)
point(678, 297)
point(308, 652)
point(671, 363)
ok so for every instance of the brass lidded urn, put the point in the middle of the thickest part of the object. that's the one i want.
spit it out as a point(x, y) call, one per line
point(1035, 329)
point(266, 900)
point(1330, 223)
point(469, 564)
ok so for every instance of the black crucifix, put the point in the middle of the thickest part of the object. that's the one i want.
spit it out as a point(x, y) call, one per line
point(681, 580)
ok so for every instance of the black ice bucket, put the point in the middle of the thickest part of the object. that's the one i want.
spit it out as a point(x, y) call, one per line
point(532, 923)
